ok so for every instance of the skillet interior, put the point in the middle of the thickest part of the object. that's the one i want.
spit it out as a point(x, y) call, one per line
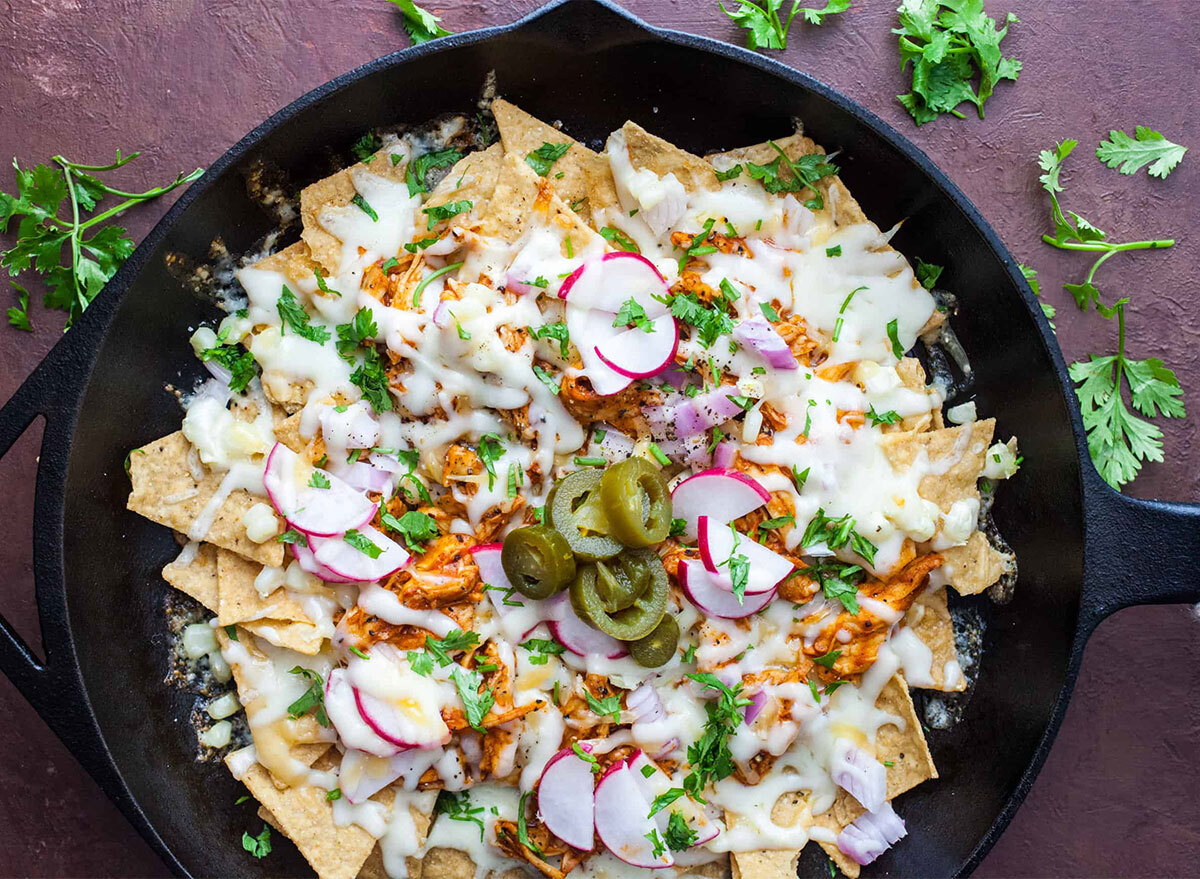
point(592, 69)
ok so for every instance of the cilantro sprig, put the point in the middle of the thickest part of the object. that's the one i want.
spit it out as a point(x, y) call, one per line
point(421, 26)
point(1078, 234)
point(766, 28)
point(75, 256)
point(1118, 440)
point(1130, 154)
point(953, 49)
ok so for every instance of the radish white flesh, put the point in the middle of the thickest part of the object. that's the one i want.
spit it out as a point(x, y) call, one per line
point(517, 613)
point(576, 635)
point(321, 512)
point(392, 725)
point(622, 822)
point(765, 568)
point(707, 595)
point(309, 563)
point(566, 801)
point(608, 283)
point(347, 561)
point(636, 353)
point(587, 329)
point(351, 728)
point(719, 493)
point(652, 782)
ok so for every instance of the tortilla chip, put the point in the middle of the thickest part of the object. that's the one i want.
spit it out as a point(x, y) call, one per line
point(294, 261)
point(240, 602)
point(373, 868)
point(959, 450)
point(519, 204)
point(337, 190)
point(582, 169)
point(304, 816)
point(165, 492)
point(287, 431)
point(473, 179)
point(912, 377)
point(662, 157)
point(975, 566)
point(929, 619)
point(303, 637)
point(198, 579)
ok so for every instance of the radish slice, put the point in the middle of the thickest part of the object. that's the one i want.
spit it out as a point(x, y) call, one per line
point(653, 781)
point(308, 562)
point(622, 822)
point(320, 512)
point(588, 329)
point(765, 571)
point(711, 598)
point(612, 280)
point(636, 353)
point(576, 635)
point(399, 705)
point(347, 561)
point(343, 713)
point(566, 801)
point(722, 494)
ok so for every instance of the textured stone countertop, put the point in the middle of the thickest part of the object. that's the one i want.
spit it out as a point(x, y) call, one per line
point(185, 79)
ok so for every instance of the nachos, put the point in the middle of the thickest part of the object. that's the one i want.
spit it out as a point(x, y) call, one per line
point(577, 513)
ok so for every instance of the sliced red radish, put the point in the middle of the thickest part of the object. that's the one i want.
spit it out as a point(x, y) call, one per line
point(566, 800)
point(576, 635)
point(653, 781)
point(294, 487)
point(636, 353)
point(718, 543)
point(400, 726)
point(607, 283)
point(308, 562)
point(704, 592)
point(399, 705)
point(722, 494)
point(344, 559)
point(589, 328)
point(623, 823)
point(343, 713)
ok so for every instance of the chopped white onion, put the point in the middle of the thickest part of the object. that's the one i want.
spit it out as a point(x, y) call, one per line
point(224, 706)
point(198, 639)
point(218, 735)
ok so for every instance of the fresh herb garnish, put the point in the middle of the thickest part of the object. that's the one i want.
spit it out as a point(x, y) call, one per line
point(313, 698)
point(415, 527)
point(322, 285)
point(547, 379)
point(237, 360)
point(679, 834)
point(950, 44)
point(893, 334)
point(543, 158)
point(522, 830)
point(729, 174)
point(878, 418)
point(836, 250)
point(490, 451)
point(446, 211)
point(586, 757)
point(709, 756)
point(292, 314)
point(430, 278)
point(828, 659)
point(72, 281)
point(422, 26)
point(292, 536)
point(838, 582)
point(418, 168)
point(414, 246)
point(927, 273)
point(372, 380)
point(457, 807)
point(837, 324)
point(609, 706)
point(556, 331)
point(769, 312)
point(767, 29)
point(475, 704)
point(1131, 154)
point(632, 312)
point(366, 147)
point(617, 239)
point(696, 246)
point(541, 649)
point(456, 639)
point(664, 799)
point(258, 846)
point(318, 480)
point(362, 543)
point(365, 206)
point(710, 322)
point(836, 533)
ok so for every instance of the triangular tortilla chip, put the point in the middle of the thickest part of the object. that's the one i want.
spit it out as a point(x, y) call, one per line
point(975, 566)
point(958, 452)
point(929, 618)
point(165, 492)
point(295, 261)
point(239, 601)
point(295, 635)
point(304, 816)
point(663, 157)
point(197, 579)
point(473, 179)
point(520, 202)
point(583, 171)
point(374, 868)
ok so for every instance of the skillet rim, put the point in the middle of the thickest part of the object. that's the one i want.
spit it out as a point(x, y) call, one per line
point(82, 347)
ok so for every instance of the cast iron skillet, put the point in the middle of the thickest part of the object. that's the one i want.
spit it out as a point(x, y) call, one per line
point(591, 65)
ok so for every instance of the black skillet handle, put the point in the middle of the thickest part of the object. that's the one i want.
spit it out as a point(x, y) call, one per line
point(52, 391)
point(1139, 552)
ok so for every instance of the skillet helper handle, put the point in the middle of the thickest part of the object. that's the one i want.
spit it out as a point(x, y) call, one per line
point(1139, 552)
point(52, 391)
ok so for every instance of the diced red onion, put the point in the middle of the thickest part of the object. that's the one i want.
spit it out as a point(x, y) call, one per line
point(219, 372)
point(859, 774)
point(518, 284)
point(724, 454)
point(675, 377)
point(645, 704)
point(365, 477)
point(871, 834)
point(757, 703)
point(386, 463)
point(615, 446)
point(762, 338)
point(666, 750)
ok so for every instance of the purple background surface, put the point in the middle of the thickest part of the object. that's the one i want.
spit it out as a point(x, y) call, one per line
point(184, 79)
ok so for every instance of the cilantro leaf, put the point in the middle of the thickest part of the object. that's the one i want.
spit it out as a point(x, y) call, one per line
point(419, 168)
point(362, 543)
point(950, 46)
point(490, 451)
point(240, 363)
point(365, 147)
point(679, 835)
point(372, 380)
point(422, 26)
point(361, 329)
point(292, 314)
point(817, 17)
point(609, 706)
point(928, 273)
point(557, 331)
point(543, 158)
point(18, 315)
point(618, 239)
point(415, 527)
point(446, 211)
point(765, 28)
point(710, 322)
point(878, 418)
point(458, 807)
point(1131, 154)
point(258, 846)
point(632, 312)
point(476, 705)
point(313, 698)
point(456, 639)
